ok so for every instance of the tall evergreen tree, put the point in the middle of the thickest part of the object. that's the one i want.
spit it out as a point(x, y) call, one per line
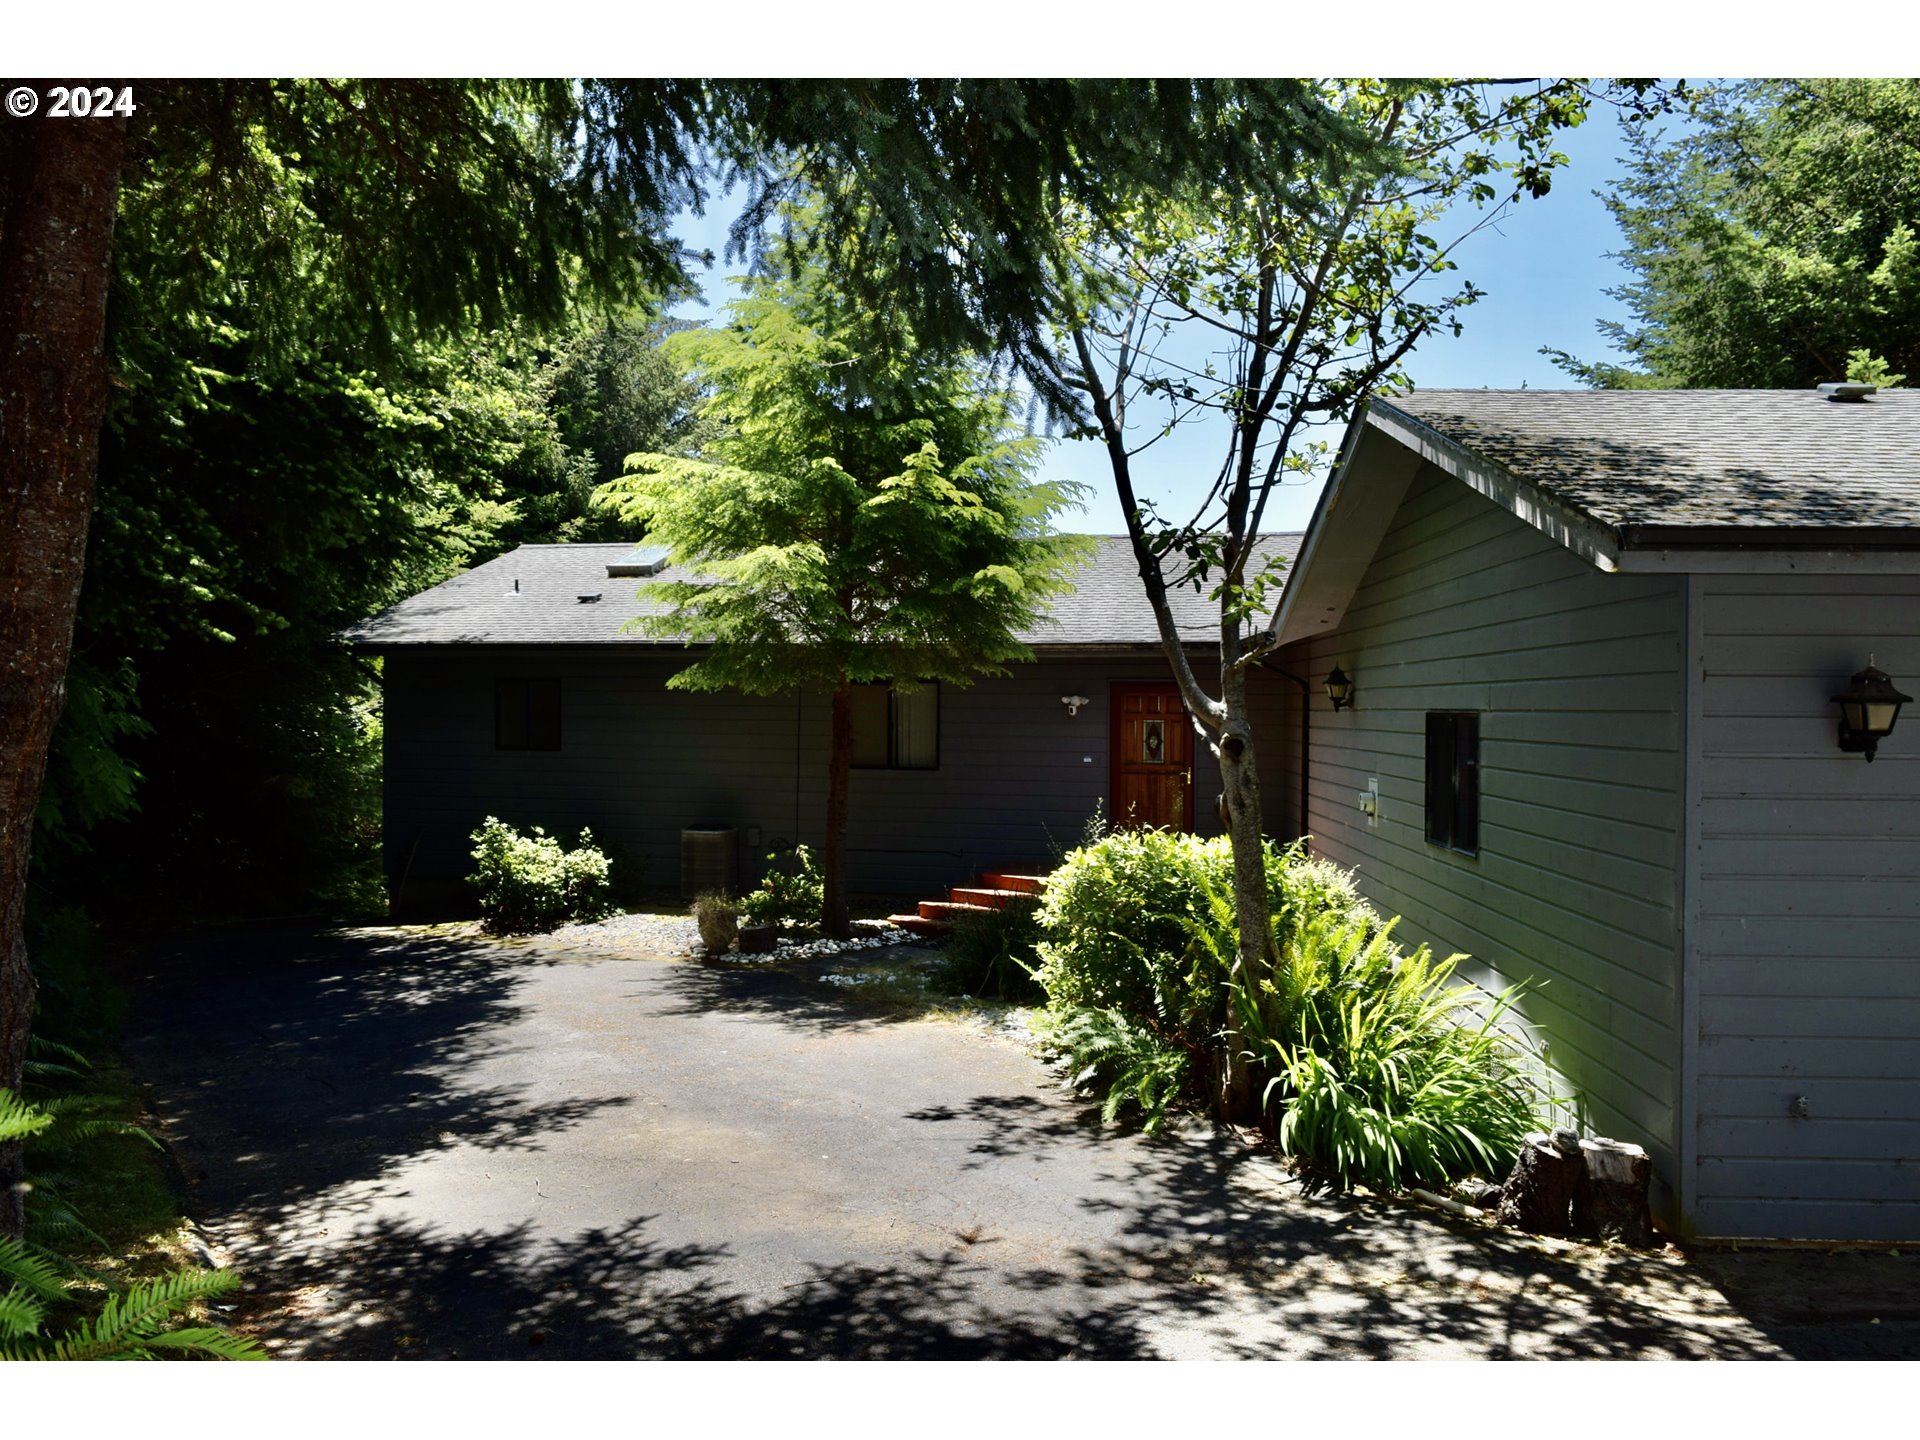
point(1772, 242)
point(863, 514)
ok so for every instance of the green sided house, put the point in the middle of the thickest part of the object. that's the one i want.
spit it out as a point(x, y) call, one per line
point(516, 690)
point(1594, 640)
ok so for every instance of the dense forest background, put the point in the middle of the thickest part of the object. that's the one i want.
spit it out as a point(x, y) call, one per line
point(220, 750)
point(219, 754)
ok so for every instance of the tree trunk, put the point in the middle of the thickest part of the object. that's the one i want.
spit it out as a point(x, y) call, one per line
point(1610, 1193)
point(833, 890)
point(1538, 1196)
point(1239, 1089)
point(59, 179)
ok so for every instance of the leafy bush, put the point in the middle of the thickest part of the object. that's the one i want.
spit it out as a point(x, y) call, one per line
point(1376, 1067)
point(529, 884)
point(791, 894)
point(1129, 921)
point(1384, 1076)
point(719, 921)
point(1118, 917)
point(994, 954)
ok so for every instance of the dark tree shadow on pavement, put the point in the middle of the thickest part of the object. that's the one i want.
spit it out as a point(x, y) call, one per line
point(304, 1060)
point(618, 1295)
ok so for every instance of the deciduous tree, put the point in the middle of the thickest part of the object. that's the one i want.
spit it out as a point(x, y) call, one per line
point(1273, 300)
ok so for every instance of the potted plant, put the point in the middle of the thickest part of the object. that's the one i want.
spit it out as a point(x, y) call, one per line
point(719, 921)
point(790, 894)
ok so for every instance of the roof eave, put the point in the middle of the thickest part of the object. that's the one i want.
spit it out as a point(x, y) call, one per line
point(1761, 550)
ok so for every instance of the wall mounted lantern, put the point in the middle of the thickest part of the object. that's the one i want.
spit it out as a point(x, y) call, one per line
point(1074, 702)
point(1868, 707)
point(1339, 688)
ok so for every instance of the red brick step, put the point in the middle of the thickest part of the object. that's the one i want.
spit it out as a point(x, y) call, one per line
point(920, 925)
point(991, 898)
point(1026, 884)
point(997, 890)
point(950, 910)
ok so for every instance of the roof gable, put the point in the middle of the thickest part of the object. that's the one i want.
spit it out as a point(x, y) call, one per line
point(1752, 481)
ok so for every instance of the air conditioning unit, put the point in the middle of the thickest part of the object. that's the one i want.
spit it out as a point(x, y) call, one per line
point(709, 860)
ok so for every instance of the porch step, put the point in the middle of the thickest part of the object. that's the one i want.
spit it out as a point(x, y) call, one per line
point(991, 898)
point(920, 925)
point(1025, 884)
point(950, 910)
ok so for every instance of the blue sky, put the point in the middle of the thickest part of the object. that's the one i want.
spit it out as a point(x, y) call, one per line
point(1545, 269)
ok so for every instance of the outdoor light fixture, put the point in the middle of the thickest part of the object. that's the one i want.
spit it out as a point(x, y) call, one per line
point(1339, 688)
point(1868, 707)
point(1074, 702)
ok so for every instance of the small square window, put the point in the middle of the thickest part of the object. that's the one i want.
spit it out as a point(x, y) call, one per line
point(896, 729)
point(526, 715)
point(1453, 780)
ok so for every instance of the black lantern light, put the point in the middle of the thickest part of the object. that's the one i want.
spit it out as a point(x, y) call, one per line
point(1339, 688)
point(1868, 707)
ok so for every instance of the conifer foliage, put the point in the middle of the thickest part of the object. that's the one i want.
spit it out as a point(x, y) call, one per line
point(1771, 241)
point(865, 513)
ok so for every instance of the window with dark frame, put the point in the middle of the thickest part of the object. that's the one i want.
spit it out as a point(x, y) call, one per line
point(526, 715)
point(896, 729)
point(1453, 780)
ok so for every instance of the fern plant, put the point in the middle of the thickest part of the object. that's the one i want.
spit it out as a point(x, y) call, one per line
point(1136, 1068)
point(137, 1323)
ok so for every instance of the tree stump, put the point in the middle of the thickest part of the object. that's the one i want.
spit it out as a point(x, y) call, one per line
point(1538, 1195)
point(1610, 1197)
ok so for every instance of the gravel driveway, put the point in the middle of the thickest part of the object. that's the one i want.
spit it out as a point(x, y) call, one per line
point(427, 1145)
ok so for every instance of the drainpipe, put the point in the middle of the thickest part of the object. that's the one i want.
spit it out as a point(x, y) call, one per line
point(1306, 732)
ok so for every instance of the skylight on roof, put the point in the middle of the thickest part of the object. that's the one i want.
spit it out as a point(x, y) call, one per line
point(641, 560)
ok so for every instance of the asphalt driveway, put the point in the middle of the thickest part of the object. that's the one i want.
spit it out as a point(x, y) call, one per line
point(426, 1146)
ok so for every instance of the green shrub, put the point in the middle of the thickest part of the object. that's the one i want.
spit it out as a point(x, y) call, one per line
point(994, 954)
point(1130, 923)
point(1383, 1075)
point(529, 884)
point(1118, 916)
point(791, 894)
point(1371, 1058)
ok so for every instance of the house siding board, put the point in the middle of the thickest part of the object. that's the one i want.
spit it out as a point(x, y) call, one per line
point(1577, 679)
point(1809, 894)
point(638, 762)
point(1274, 705)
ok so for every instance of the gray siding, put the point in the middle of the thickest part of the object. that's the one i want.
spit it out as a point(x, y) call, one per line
point(1017, 778)
point(1804, 961)
point(1577, 679)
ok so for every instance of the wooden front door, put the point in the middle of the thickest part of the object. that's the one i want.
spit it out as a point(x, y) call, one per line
point(1152, 764)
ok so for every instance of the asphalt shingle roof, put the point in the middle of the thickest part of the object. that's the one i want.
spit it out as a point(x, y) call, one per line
point(482, 607)
point(1698, 459)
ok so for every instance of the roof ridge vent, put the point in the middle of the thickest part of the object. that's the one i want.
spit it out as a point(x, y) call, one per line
point(1848, 390)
